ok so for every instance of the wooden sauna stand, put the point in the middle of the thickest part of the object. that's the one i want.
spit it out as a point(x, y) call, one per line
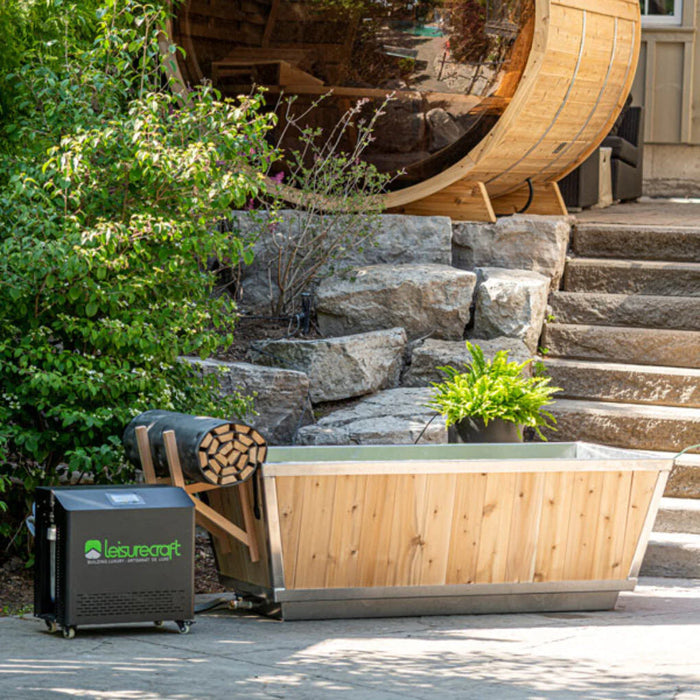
point(446, 529)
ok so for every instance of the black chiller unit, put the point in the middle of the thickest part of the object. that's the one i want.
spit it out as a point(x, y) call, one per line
point(106, 555)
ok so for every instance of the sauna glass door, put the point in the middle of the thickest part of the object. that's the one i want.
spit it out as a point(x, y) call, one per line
point(450, 67)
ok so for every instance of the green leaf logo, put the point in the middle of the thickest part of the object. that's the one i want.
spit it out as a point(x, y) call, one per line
point(93, 549)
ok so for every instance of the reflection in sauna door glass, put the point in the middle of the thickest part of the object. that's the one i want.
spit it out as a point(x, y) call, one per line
point(452, 66)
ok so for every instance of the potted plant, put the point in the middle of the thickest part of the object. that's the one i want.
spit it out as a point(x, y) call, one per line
point(493, 400)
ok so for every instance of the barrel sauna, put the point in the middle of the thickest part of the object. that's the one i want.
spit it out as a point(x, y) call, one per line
point(492, 101)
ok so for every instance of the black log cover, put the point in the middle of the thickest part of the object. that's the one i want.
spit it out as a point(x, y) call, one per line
point(211, 450)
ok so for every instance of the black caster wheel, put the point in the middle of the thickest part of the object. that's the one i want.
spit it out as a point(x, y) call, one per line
point(158, 623)
point(51, 626)
point(68, 632)
point(183, 626)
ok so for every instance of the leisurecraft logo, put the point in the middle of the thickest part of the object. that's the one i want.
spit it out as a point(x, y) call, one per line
point(95, 549)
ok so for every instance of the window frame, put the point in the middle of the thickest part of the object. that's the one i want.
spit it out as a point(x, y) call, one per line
point(674, 20)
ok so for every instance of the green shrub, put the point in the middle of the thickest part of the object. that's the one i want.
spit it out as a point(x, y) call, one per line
point(494, 389)
point(36, 31)
point(103, 248)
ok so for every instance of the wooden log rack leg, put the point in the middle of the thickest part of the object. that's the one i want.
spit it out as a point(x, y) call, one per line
point(205, 516)
point(149, 473)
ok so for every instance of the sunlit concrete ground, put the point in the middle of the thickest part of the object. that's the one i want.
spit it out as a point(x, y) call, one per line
point(648, 648)
point(649, 212)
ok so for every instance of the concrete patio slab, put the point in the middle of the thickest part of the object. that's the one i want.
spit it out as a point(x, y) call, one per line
point(647, 648)
point(648, 212)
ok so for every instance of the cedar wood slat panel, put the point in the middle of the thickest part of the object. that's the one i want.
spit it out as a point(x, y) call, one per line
point(417, 529)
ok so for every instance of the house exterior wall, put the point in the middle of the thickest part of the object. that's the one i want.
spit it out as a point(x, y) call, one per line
point(668, 85)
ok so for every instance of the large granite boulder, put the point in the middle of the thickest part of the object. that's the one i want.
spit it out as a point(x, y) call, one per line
point(510, 303)
point(339, 368)
point(523, 242)
point(281, 396)
point(394, 239)
point(430, 354)
point(423, 299)
point(392, 417)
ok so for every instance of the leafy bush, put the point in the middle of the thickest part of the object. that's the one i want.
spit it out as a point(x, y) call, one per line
point(37, 31)
point(494, 389)
point(103, 249)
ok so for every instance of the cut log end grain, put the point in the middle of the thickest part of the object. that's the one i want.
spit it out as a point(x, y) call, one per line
point(230, 453)
point(226, 449)
point(209, 450)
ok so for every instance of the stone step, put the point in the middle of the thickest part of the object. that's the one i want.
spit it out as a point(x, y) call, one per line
point(643, 346)
point(632, 277)
point(684, 480)
point(620, 383)
point(639, 242)
point(680, 515)
point(391, 417)
point(673, 555)
point(644, 311)
point(632, 426)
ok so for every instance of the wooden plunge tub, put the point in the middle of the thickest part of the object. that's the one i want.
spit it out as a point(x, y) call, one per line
point(377, 531)
point(524, 99)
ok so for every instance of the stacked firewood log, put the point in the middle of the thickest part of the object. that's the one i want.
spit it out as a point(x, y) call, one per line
point(211, 450)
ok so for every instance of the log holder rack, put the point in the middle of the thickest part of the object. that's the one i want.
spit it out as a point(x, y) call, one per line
point(216, 524)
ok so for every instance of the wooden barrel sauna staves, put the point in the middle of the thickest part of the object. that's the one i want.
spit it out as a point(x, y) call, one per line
point(480, 125)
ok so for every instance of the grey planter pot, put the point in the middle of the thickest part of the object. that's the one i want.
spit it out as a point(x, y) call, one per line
point(473, 430)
